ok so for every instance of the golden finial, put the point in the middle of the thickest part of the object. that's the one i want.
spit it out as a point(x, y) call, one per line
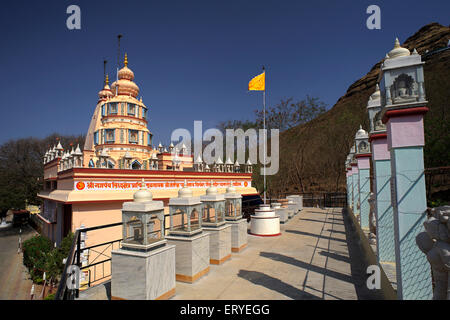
point(107, 80)
point(126, 60)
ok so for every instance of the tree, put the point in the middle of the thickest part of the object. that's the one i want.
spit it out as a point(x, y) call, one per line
point(21, 168)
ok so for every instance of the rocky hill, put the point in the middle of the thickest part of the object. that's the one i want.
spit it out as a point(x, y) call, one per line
point(312, 155)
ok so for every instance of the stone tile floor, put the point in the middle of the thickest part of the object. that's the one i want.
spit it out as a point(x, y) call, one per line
point(316, 257)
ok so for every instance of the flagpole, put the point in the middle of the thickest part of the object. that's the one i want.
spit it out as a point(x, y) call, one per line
point(264, 130)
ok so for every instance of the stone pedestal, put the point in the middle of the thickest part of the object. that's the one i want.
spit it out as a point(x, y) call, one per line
point(265, 222)
point(364, 188)
point(192, 256)
point(138, 275)
point(349, 187)
point(298, 200)
point(292, 209)
point(405, 142)
point(219, 243)
point(238, 234)
point(355, 185)
point(283, 213)
point(383, 208)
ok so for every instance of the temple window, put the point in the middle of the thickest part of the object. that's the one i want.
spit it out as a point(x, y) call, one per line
point(112, 108)
point(110, 165)
point(133, 136)
point(110, 135)
point(136, 165)
point(131, 109)
point(91, 164)
point(96, 137)
point(144, 113)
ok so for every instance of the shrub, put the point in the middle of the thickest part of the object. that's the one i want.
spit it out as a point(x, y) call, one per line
point(51, 296)
point(40, 256)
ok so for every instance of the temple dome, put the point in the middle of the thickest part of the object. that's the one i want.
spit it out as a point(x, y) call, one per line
point(361, 133)
point(125, 85)
point(398, 51)
point(106, 91)
point(125, 72)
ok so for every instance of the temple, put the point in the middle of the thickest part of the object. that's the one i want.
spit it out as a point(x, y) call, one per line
point(86, 188)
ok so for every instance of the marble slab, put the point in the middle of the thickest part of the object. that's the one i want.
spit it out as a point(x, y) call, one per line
point(283, 214)
point(219, 243)
point(139, 275)
point(192, 256)
point(238, 234)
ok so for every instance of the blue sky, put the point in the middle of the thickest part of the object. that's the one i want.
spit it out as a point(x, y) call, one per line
point(192, 59)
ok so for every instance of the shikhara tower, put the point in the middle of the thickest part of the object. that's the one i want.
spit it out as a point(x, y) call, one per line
point(118, 136)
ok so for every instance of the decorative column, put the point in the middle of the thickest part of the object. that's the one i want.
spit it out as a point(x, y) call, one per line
point(348, 172)
point(381, 161)
point(355, 183)
point(363, 160)
point(402, 78)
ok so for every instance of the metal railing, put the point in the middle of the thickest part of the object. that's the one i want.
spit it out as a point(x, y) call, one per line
point(74, 258)
point(100, 253)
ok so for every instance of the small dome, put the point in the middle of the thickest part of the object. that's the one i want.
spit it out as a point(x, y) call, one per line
point(230, 188)
point(376, 95)
point(125, 85)
point(106, 91)
point(211, 190)
point(361, 133)
point(143, 194)
point(125, 72)
point(185, 192)
point(398, 51)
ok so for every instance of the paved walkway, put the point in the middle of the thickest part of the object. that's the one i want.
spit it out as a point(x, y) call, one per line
point(14, 279)
point(316, 257)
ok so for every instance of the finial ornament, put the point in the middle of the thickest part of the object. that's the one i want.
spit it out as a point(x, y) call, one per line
point(125, 62)
point(397, 43)
point(107, 80)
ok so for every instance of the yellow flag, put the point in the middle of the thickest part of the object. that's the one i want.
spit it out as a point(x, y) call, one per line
point(258, 83)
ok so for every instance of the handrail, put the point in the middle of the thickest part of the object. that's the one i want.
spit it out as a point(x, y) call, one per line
point(61, 292)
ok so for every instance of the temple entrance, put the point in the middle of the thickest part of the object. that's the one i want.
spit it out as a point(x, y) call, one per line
point(67, 220)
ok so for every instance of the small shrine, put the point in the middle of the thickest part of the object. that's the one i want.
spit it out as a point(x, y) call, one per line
point(214, 224)
point(145, 257)
point(233, 216)
point(186, 234)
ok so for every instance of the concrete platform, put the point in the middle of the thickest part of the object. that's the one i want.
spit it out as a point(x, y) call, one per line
point(316, 257)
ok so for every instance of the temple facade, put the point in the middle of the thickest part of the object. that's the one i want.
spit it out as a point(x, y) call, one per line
point(87, 187)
